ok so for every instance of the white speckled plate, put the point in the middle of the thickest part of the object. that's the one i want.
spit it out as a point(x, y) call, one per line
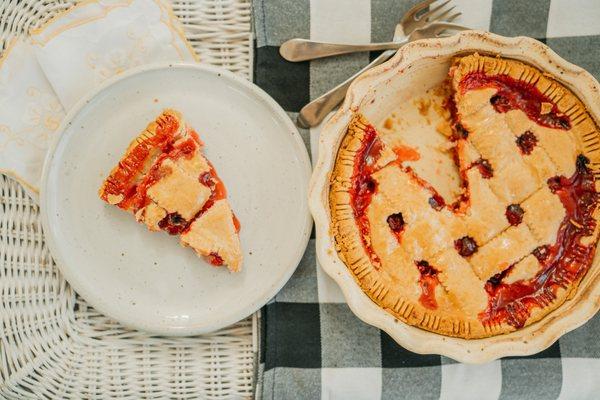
point(146, 280)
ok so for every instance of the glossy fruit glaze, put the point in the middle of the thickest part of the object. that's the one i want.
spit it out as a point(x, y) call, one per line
point(561, 264)
point(363, 186)
point(428, 281)
point(514, 94)
point(565, 262)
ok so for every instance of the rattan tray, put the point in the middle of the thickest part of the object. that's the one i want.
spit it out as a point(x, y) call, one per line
point(52, 343)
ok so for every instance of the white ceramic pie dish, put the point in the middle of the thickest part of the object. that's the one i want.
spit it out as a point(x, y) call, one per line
point(415, 68)
point(144, 279)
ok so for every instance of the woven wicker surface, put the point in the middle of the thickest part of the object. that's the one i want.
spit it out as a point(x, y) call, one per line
point(52, 343)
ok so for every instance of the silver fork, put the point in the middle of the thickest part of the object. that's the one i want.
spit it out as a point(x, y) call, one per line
point(314, 112)
point(295, 50)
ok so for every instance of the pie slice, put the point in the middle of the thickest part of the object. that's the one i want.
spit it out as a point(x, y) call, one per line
point(168, 184)
point(514, 244)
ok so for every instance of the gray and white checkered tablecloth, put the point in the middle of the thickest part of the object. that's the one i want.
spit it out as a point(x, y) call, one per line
point(312, 344)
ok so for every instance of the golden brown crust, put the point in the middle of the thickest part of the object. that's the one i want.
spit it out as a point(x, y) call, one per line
point(392, 282)
point(214, 233)
point(584, 129)
point(379, 285)
point(143, 141)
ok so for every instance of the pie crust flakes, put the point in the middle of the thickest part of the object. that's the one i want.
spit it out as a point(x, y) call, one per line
point(513, 245)
point(168, 184)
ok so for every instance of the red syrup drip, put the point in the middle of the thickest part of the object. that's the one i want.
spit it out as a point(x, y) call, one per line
point(459, 136)
point(515, 94)
point(364, 186)
point(215, 259)
point(563, 263)
point(428, 281)
point(237, 224)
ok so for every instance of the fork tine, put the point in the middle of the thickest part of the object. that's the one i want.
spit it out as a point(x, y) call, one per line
point(442, 15)
point(453, 17)
point(412, 13)
point(433, 10)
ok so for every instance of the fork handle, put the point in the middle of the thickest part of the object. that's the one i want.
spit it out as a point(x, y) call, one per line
point(302, 49)
point(315, 112)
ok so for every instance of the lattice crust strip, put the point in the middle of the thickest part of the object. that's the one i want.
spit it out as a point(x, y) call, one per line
point(52, 343)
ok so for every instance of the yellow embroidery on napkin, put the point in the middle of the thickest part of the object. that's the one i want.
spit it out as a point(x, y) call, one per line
point(43, 111)
point(78, 22)
point(119, 60)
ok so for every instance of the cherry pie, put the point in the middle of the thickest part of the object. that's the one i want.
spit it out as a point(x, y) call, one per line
point(166, 182)
point(516, 241)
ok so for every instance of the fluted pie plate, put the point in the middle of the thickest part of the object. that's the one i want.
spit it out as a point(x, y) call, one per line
point(455, 196)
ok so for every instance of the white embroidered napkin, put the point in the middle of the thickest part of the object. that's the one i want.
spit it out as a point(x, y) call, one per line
point(30, 113)
point(97, 40)
point(65, 59)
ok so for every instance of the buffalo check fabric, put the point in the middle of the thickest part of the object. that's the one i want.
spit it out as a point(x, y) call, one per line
point(312, 345)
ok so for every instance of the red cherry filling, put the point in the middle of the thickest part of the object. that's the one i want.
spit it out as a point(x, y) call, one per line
point(484, 167)
point(425, 269)
point(542, 253)
point(215, 259)
point(561, 263)
point(527, 142)
point(513, 94)
point(459, 132)
point(496, 280)
point(466, 246)
point(500, 103)
point(396, 222)
point(173, 223)
point(437, 202)
point(207, 180)
point(427, 281)
point(363, 186)
point(514, 214)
